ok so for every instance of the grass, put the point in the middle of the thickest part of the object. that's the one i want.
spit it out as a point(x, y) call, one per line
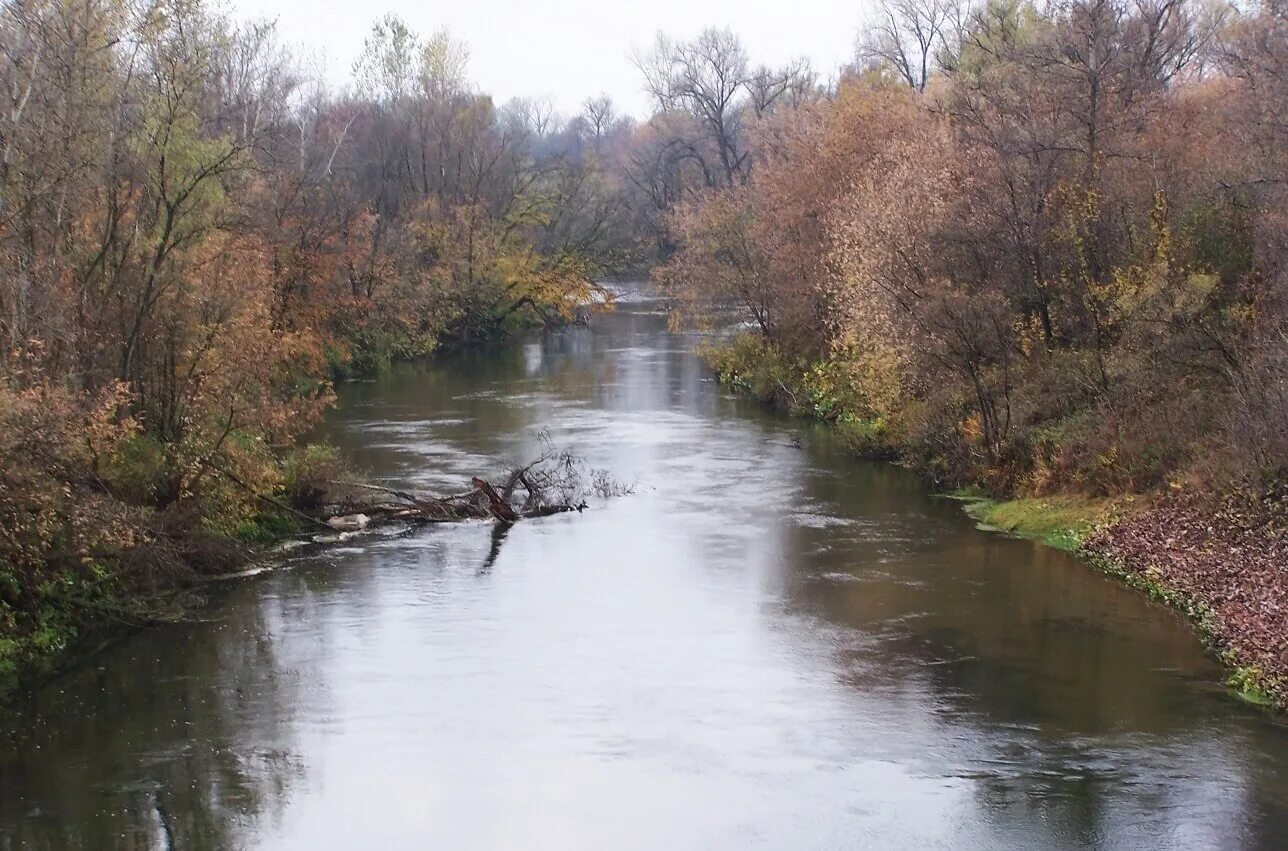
point(1061, 522)
point(266, 529)
point(1252, 685)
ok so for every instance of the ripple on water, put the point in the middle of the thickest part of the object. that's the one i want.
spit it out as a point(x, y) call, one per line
point(764, 646)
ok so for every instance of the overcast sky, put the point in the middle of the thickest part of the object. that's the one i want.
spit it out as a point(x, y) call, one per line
point(569, 49)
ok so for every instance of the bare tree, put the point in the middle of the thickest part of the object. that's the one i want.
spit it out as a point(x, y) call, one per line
point(908, 37)
point(790, 85)
point(599, 115)
point(535, 116)
point(705, 77)
point(254, 79)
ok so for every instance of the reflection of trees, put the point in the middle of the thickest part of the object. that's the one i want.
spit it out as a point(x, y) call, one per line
point(1055, 689)
point(182, 739)
point(1006, 629)
point(458, 395)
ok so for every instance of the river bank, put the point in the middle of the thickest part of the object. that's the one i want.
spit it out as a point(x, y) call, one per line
point(107, 525)
point(321, 505)
point(1221, 566)
point(79, 612)
point(1219, 561)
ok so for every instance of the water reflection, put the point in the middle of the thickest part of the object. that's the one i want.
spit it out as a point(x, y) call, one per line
point(764, 646)
point(174, 738)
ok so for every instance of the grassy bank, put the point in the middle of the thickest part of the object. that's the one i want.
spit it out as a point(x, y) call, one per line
point(1078, 525)
point(1062, 522)
point(1090, 528)
point(1093, 528)
point(1224, 576)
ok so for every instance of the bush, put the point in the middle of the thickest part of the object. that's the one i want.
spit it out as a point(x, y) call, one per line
point(61, 533)
point(136, 470)
point(829, 390)
point(306, 472)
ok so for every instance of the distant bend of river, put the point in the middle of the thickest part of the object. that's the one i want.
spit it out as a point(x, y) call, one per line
point(767, 645)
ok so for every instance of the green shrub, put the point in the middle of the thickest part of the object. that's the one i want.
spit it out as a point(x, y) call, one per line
point(267, 527)
point(307, 470)
point(827, 390)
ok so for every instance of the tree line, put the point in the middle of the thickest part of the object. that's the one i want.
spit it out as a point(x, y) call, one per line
point(1037, 246)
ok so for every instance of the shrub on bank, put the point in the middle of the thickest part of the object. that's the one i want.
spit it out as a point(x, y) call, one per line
point(1140, 436)
point(98, 516)
point(61, 532)
point(824, 390)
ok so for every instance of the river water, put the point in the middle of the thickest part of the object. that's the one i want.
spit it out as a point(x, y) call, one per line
point(766, 645)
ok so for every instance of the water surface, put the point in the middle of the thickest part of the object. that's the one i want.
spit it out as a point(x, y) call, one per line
point(766, 645)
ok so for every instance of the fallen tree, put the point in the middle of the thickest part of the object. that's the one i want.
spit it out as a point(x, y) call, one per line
point(554, 483)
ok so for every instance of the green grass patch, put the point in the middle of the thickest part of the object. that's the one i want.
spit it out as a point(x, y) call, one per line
point(1252, 685)
point(1247, 681)
point(1061, 522)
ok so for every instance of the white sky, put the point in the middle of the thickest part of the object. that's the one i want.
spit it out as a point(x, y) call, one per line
point(569, 50)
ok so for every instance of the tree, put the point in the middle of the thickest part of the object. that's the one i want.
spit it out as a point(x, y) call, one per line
point(705, 77)
point(910, 37)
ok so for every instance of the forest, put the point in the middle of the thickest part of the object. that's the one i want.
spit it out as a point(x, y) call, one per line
point(1026, 247)
point(1033, 248)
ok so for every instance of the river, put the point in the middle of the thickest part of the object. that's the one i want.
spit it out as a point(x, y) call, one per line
point(768, 644)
